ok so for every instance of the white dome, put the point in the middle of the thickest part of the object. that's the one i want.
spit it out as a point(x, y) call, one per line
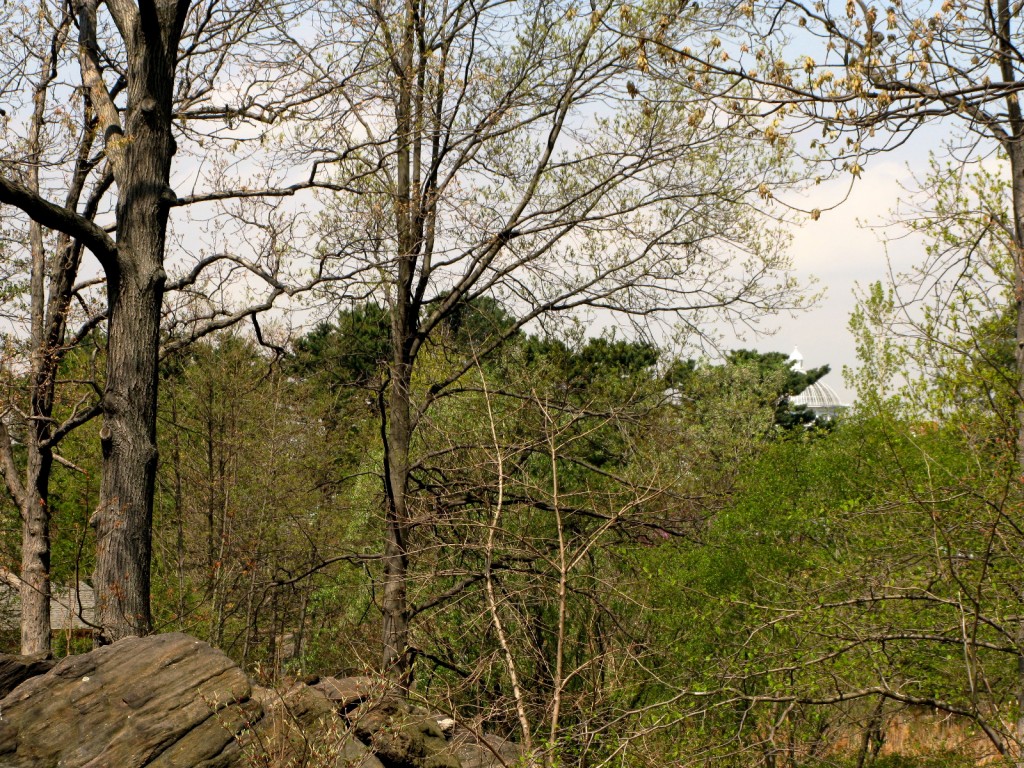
point(820, 398)
point(818, 395)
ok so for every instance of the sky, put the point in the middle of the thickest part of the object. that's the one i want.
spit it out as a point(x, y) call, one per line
point(844, 249)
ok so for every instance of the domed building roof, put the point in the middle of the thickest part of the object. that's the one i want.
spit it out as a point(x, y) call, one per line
point(818, 397)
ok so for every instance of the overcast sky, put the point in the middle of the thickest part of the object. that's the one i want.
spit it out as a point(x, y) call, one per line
point(842, 250)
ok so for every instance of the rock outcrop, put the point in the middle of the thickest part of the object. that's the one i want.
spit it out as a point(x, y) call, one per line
point(347, 692)
point(171, 701)
point(14, 670)
point(301, 727)
point(487, 752)
point(403, 736)
point(162, 701)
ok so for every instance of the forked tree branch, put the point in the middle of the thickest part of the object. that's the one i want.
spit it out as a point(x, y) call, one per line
point(56, 217)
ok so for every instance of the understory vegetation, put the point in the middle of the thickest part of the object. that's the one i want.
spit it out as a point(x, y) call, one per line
point(618, 555)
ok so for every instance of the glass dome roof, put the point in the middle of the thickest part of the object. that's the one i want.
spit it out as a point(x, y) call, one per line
point(818, 397)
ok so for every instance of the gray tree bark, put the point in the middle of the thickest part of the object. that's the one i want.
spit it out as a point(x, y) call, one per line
point(139, 149)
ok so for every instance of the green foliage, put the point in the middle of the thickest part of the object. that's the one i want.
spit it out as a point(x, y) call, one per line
point(258, 503)
point(477, 323)
point(884, 558)
point(787, 382)
point(347, 353)
point(599, 464)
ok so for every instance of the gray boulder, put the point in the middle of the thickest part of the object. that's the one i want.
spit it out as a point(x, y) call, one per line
point(171, 701)
point(489, 751)
point(14, 670)
point(402, 736)
point(347, 692)
point(300, 727)
point(167, 701)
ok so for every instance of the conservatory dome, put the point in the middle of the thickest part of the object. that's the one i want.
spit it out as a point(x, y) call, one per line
point(818, 397)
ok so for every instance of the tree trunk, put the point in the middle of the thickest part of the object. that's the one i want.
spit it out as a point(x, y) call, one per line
point(1015, 150)
point(124, 518)
point(35, 514)
point(404, 327)
point(135, 286)
point(35, 522)
point(48, 353)
point(35, 557)
point(395, 608)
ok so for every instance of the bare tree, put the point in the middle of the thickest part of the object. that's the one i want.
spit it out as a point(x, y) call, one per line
point(528, 153)
point(153, 79)
point(869, 77)
point(53, 269)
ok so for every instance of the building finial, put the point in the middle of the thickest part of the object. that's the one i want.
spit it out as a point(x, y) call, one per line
point(796, 360)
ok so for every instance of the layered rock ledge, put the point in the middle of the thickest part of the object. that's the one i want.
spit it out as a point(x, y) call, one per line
point(171, 701)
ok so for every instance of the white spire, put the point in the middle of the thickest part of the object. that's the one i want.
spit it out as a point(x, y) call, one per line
point(796, 360)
